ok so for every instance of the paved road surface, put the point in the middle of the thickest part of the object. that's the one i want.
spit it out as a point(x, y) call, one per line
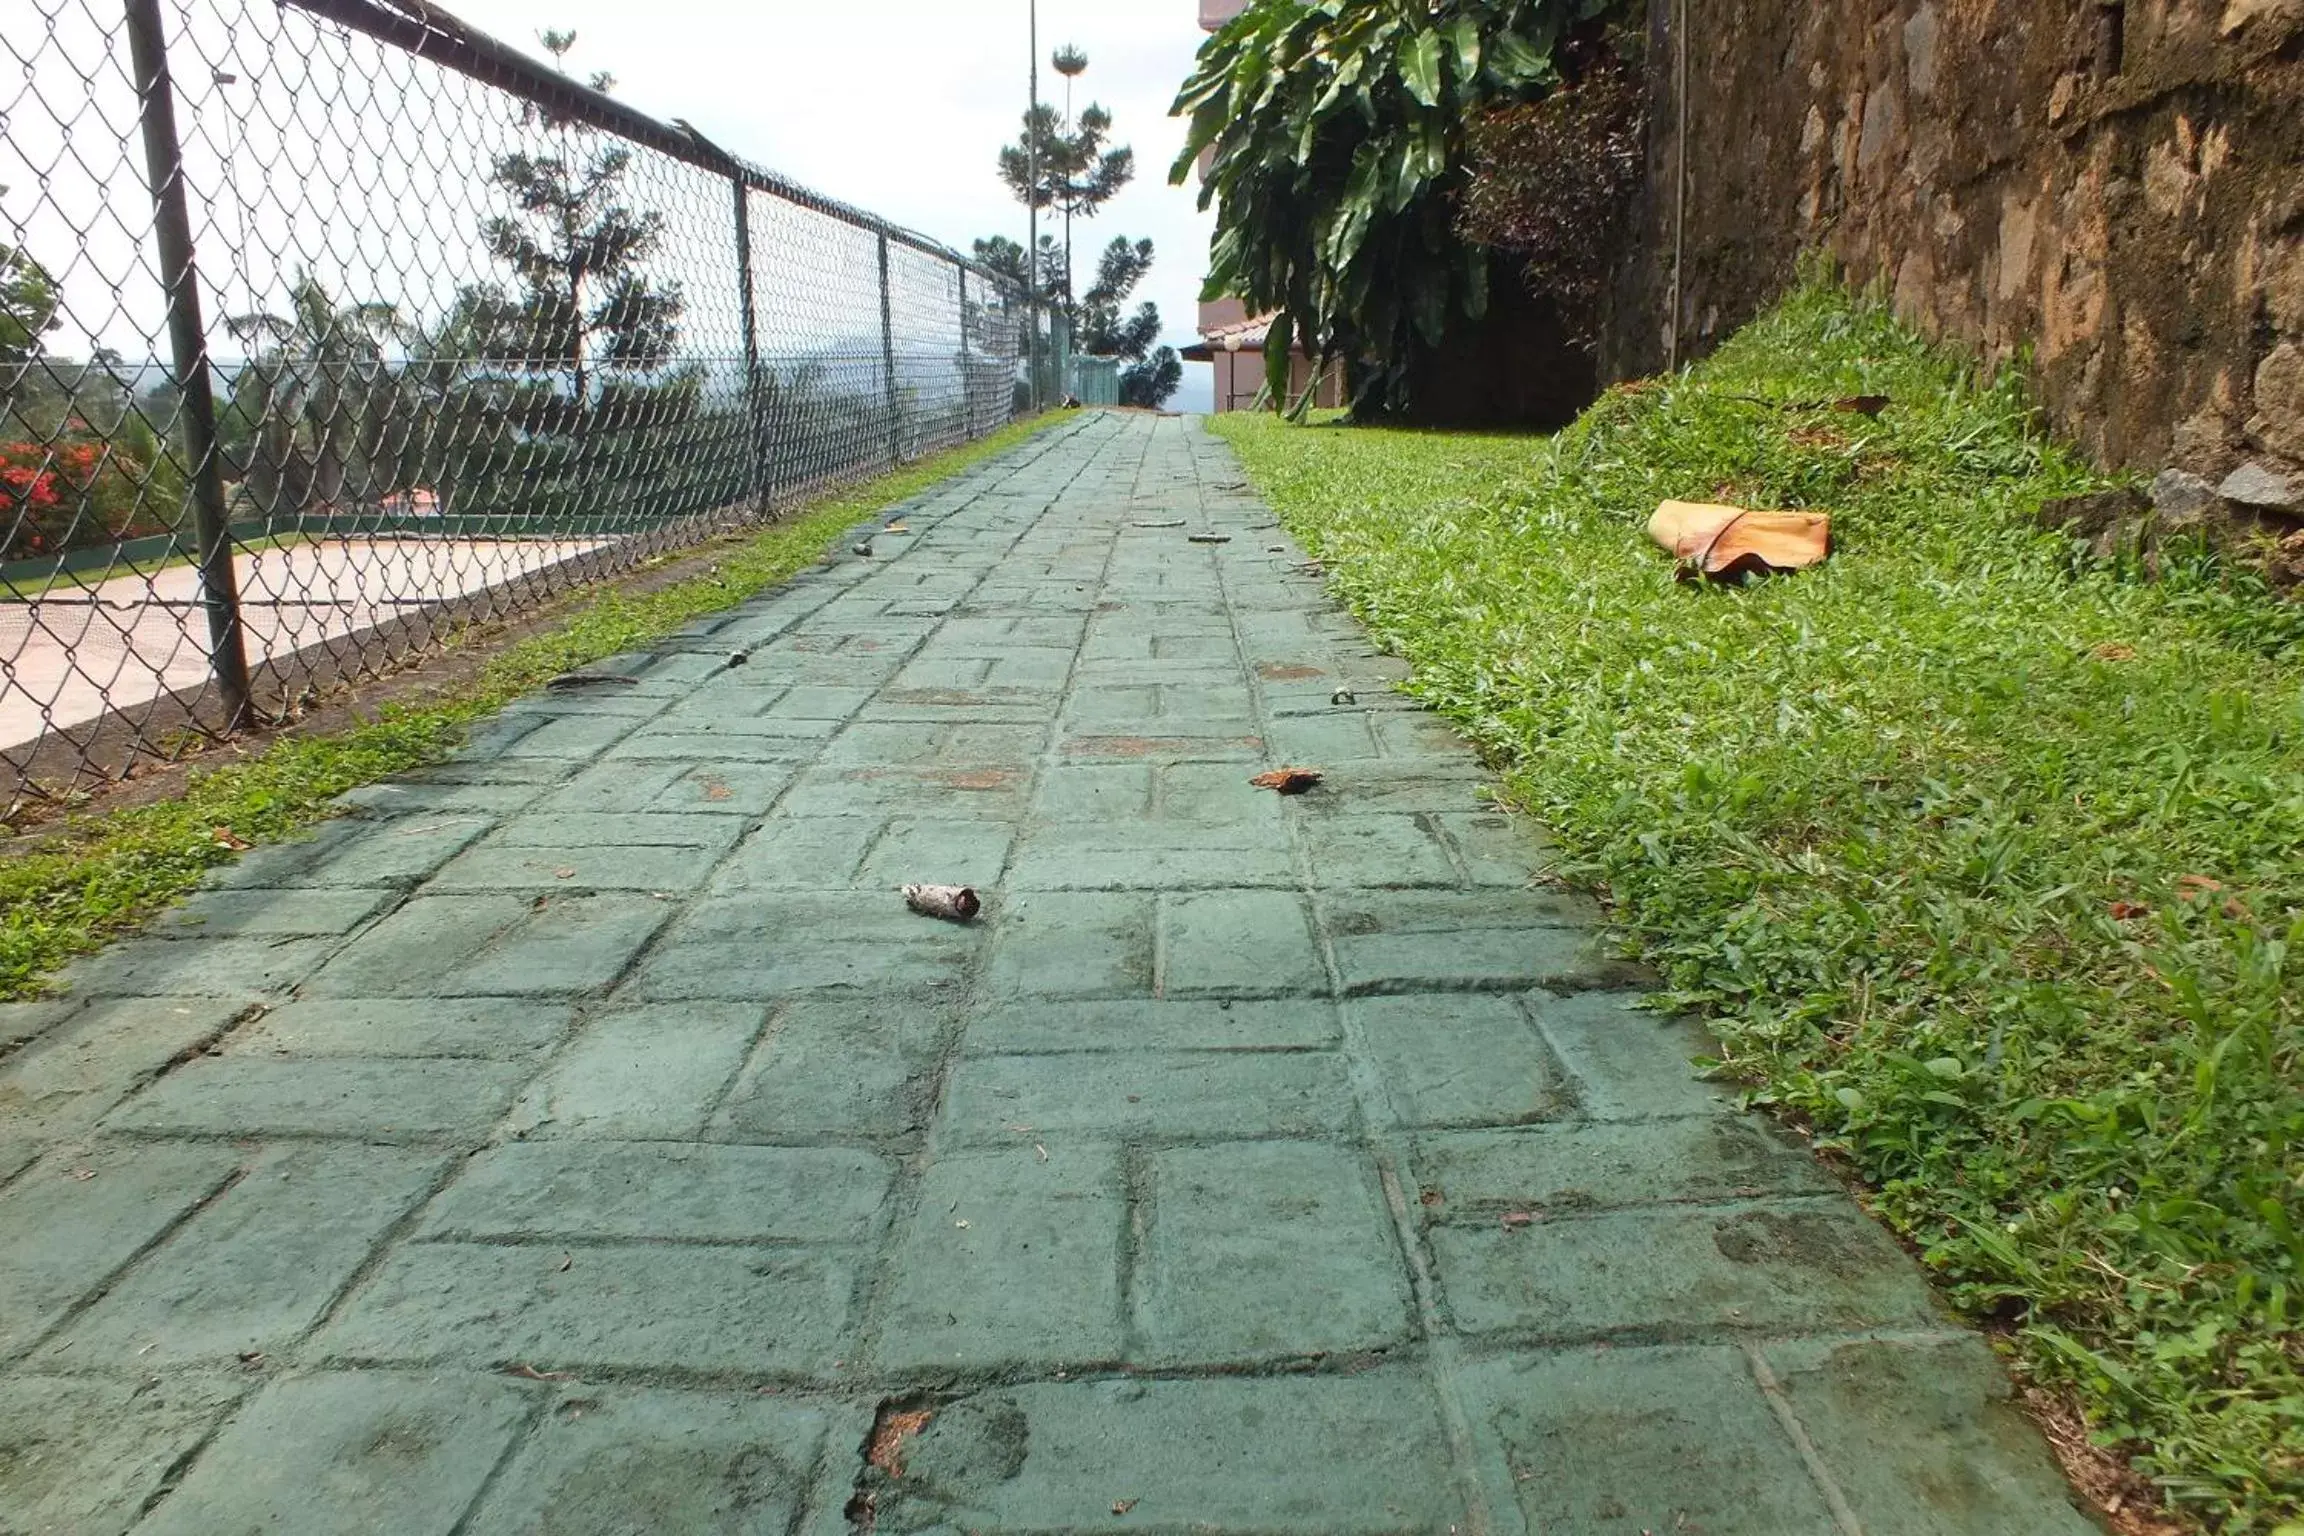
point(80, 653)
point(583, 1137)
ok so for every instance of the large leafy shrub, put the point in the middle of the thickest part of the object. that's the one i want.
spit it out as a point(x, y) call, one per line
point(1338, 134)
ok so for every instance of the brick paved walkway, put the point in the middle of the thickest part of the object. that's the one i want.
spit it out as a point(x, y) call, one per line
point(583, 1138)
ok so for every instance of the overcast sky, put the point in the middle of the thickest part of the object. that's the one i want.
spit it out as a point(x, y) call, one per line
point(901, 106)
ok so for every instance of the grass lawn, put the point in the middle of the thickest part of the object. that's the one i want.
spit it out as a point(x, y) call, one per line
point(1985, 860)
point(109, 872)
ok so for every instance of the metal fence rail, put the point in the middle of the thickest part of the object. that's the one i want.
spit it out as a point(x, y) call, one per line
point(327, 326)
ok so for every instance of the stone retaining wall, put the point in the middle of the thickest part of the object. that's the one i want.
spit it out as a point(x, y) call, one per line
point(2113, 190)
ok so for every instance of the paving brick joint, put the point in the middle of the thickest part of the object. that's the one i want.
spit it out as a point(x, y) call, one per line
point(583, 1137)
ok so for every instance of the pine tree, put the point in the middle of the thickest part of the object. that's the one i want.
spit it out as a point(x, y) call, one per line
point(1155, 372)
point(585, 305)
point(1063, 164)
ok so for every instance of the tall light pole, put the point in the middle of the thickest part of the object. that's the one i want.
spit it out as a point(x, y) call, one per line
point(1069, 62)
point(1032, 212)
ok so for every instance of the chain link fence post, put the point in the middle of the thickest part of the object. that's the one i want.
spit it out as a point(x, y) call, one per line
point(755, 433)
point(888, 361)
point(967, 365)
point(373, 357)
point(188, 344)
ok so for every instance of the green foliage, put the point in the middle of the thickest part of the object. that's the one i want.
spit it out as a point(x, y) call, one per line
point(1154, 381)
point(1063, 164)
point(1986, 861)
point(27, 310)
point(1338, 129)
point(1103, 330)
point(315, 392)
point(578, 252)
point(1066, 166)
point(1103, 325)
point(1552, 182)
point(104, 875)
point(1005, 259)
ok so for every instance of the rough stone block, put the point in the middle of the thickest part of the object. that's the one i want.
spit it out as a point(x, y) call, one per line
point(755, 740)
point(1239, 944)
point(259, 1265)
point(1416, 734)
point(799, 853)
point(1379, 852)
point(1923, 1438)
point(340, 1096)
point(884, 743)
point(391, 851)
point(1155, 1095)
point(193, 967)
point(704, 832)
point(575, 869)
point(772, 1311)
point(832, 1066)
point(407, 798)
point(642, 1073)
point(581, 737)
point(1796, 1266)
point(977, 706)
point(1357, 1455)
point(1336, 736)
point(993, 793)
point(1176, 741)
point(248, 913)
point(616, 1191)
point(1163, 854)
point(1628, 1063)
point(20, 1022)
point(1010, 1259)
point(349, 1453)
point(610, 1463)
point(1497, 849)
point(1395, 786)
point(761, 947)
point(1198, 709)
point(937, 852)
point(1413, 941)
point(1260, 1251)
point(65, 1083)
point(489, 1028)
point(1034, 1028)
point(70, 1222)
point(727, 788)
point(1093, 792)
point(406, 953)
point(1582, 1167)
point(1625, 1442)
point(1454, 1058)
point(818, 702)
point(1216, 793)
point(86, 1455)
point(1087, 944)
point(568, 945)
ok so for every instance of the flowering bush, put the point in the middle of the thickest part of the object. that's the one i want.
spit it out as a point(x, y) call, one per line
point(72, 492)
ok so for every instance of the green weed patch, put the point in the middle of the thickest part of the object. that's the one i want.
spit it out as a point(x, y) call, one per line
point(1985, 860)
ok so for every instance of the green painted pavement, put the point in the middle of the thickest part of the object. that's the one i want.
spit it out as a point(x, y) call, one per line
point(582, 1137)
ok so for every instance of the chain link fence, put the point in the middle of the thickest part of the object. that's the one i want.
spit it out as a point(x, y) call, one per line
point(328, 326)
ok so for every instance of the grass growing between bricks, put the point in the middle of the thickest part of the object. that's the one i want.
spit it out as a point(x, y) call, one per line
point(1985, 860)
point(107, 873)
